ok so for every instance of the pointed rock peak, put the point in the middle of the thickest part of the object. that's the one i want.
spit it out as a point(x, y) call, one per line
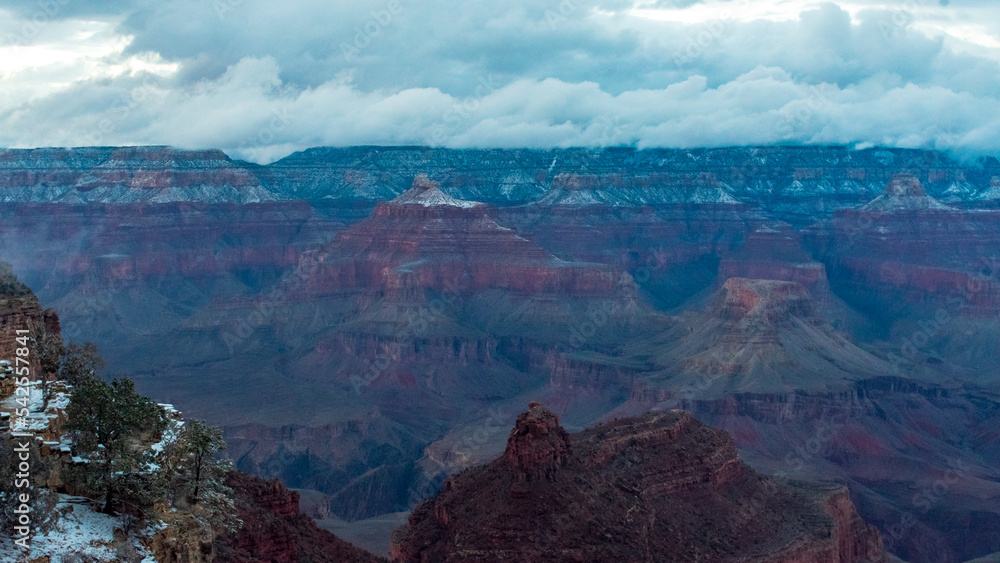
point(771, 300)
point(538, 446)
point(904, 193)
point(427, 193)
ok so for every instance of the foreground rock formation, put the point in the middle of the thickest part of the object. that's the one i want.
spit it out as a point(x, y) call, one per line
point(661, 487)
point(273, 531)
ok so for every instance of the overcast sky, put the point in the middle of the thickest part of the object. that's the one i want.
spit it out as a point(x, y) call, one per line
point(262, 78)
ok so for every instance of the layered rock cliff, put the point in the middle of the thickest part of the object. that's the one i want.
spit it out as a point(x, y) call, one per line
point(661, 487)
point(273, 531)
point(126, 175)
point(20, 310)
point(425, 239)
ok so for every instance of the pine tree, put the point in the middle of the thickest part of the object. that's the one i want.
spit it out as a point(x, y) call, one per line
point(49, 350)
point(200, 444)
point(199, 473)
point(73, 363)
point(108, 419)
point(80, 364)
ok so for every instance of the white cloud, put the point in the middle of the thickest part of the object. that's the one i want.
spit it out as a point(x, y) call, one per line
point(267, 78)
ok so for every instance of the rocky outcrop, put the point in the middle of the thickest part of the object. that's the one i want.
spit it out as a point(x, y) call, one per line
point(20, 310)
point(184, 539)
point(538, 447)
point(273, 531)
point(661, 487)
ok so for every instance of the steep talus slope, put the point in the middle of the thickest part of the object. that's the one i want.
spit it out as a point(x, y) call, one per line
point(926, 272)
point(763, 335)
point(661, 487)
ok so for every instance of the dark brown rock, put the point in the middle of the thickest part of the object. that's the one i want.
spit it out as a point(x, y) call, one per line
point(661, 487)
point(273, 531)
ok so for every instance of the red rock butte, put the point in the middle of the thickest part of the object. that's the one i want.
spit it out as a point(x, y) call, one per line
point(425, 238)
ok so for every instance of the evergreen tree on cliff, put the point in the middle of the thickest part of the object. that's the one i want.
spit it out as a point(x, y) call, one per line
point(196, 475)
point(74, 363)
point(108, 418)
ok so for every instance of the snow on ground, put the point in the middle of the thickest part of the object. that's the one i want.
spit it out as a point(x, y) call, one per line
point(81, 531)
point(36, 421)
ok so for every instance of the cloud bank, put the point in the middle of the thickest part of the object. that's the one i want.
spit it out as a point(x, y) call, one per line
point(261, 79)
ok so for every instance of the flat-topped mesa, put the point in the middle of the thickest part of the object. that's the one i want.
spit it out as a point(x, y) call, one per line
point(904, 194)
point(424, 199)
point(538, 446)
point(774, 252)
